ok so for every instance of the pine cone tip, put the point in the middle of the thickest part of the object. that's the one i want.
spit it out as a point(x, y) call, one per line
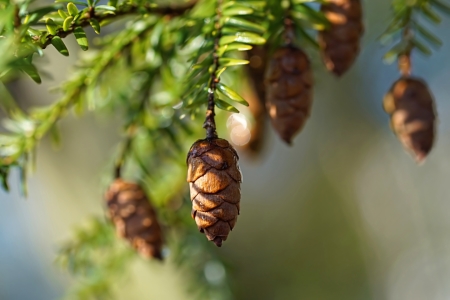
point(287, 140)
point(339, 72)
point(149, 253)
point(218, 241)
point(420, 158)
point(158, 256)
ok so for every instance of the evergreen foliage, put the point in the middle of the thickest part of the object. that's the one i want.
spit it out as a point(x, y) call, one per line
point(176, 60)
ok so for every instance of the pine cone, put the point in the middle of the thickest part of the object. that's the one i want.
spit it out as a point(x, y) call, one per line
point(214, 179)
point(257, 57)
point(339, 44)
point(411, 107)
point(289, 91)
point(134, 217)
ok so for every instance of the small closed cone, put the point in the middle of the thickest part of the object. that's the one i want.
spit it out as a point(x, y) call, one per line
point(289, 92)
point(134, 217)
point(413, 117)
point(214, 179)
point(340, 43)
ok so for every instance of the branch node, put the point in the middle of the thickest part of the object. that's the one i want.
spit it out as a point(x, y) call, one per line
point(404, 64)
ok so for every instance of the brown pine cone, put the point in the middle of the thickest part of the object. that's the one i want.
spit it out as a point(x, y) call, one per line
point(214, 179)
point(339, 44)
point(411, 107)
point(134, 217)
point(289, 91)
point(257, 57)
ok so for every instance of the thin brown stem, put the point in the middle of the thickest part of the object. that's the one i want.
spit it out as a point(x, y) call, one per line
point(289, 32)
point(132, 129)
point(404, 64)
point(17, 21)
point(123, 154)
point(404, 59)
point(210, 123)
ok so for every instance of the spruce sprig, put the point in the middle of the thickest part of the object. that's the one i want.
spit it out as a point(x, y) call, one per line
point(235, 28)
point(407, 30)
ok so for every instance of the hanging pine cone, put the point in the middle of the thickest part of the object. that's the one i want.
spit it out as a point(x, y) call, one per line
point(339, 44)
point(214, 179)
point(257, 57)
point(411, 106)
point(134, 217)
point(289, 91)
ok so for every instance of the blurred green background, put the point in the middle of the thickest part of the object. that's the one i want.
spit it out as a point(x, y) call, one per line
point(343, 214)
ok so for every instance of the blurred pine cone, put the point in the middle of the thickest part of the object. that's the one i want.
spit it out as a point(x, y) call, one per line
point(289, 91)
point(339, 44)
point(134, 217)
point(411, 106)
point(214, 179)
point(257, 57)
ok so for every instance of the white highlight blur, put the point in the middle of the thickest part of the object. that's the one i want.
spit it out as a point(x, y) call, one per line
point(238, 127)
point(214, 272)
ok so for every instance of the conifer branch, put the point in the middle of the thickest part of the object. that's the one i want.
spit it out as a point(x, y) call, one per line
point(404, 59)
point(410, 33)
point(45, 119)
point(123, 10)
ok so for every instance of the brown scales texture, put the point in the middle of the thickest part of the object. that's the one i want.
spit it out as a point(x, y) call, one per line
point(134, 217)
point(289, 91)
point(411, 107)
point(214, 179)
point(339, 43)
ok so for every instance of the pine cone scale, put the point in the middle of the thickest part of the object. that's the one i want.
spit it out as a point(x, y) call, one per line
point(225, 211)
point(204, 219)
point(219, 229)
point(232, 223)
point(232, 194)
point(235, 174)
point(218, 159)
point(288, 87)
point(197, 168)
point(212, 182)
point(202, 203)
